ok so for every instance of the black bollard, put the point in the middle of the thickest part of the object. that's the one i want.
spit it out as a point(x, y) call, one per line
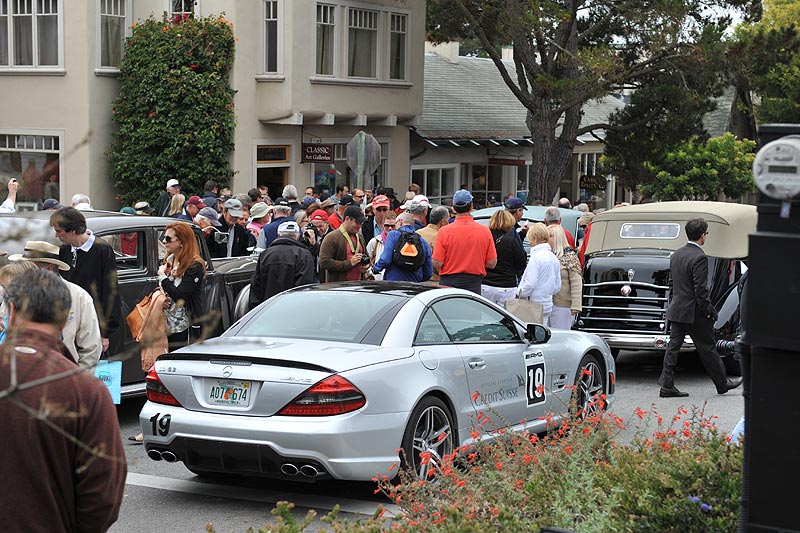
point(771, 356)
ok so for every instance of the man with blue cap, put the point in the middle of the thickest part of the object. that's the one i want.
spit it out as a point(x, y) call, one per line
point(516, 207)
point(464, 249)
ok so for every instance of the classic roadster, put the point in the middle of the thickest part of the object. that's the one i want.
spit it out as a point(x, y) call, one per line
point(626, 274)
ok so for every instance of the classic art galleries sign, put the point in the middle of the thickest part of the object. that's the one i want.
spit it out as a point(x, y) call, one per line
point(317, 153)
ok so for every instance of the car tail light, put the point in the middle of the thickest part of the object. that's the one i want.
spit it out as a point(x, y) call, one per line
point(157, 392)
point(331, 396)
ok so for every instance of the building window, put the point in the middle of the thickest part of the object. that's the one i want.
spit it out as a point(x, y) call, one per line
point(181, 10)
point(113, 24)
point(438, 184)
point(487, 185)
point(326, 42)
point(273, 37)
point(397, 46)
point(30, 34)
point(34, 161)
point(592, 187)
point(367, 44)
point(328, 175)
point(523, 182)
point(362, 43)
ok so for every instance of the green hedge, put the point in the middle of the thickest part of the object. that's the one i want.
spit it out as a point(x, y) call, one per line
point(175, 111)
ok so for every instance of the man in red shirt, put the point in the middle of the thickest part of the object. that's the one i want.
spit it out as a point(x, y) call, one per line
point(464, 249)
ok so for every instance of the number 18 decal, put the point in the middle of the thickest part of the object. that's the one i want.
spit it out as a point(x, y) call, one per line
point(534, 383)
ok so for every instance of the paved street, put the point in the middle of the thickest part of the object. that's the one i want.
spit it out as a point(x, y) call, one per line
point(166, 497)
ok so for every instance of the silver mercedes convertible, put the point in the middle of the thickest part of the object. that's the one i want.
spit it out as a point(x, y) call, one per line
point(346, 380)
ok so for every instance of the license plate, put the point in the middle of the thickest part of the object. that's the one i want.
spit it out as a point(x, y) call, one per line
point(228, 392)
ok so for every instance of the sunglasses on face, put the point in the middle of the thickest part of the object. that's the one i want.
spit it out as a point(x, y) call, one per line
point(169, 239)
point(388, 225)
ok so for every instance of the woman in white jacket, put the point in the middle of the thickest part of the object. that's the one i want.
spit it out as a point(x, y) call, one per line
point(542, 277)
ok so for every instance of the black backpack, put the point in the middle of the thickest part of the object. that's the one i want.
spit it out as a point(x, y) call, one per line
point(408, 252)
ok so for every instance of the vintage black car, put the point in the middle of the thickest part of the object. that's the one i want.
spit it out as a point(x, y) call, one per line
point(626, 273)
point(136, 241)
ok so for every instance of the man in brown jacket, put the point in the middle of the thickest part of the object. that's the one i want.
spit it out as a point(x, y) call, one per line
point(63, 461)
point(342, 250)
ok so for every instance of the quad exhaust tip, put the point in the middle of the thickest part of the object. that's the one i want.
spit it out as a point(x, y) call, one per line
point(289, 469)
point(162, 455)
point(309, 471)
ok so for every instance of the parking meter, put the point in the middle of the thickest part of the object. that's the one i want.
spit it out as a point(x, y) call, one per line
point(770, 345)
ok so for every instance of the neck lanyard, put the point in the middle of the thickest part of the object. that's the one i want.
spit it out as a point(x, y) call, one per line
point(353, 247)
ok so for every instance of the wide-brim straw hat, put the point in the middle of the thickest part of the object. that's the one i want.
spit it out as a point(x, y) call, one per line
point(40, 252)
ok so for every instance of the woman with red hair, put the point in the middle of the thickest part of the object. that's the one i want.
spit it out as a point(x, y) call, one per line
point(181, 278)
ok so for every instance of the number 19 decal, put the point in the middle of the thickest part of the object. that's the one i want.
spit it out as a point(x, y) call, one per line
point(534, 383)
point(161, 425)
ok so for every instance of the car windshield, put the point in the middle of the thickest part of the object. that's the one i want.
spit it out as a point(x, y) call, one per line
point(338, 315)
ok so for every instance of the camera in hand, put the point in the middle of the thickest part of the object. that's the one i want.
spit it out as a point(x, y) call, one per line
point(364, 259)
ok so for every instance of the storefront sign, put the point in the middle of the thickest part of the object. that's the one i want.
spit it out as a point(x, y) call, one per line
point(594, 183)
point(507, 162)
point(317, 153)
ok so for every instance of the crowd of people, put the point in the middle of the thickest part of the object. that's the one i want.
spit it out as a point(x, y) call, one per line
point(61, 305)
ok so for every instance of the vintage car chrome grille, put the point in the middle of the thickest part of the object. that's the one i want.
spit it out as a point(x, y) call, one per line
point(607, 310)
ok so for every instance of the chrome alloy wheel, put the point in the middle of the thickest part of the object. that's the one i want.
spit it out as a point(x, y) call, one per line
point(432, 440)
point(589, 387)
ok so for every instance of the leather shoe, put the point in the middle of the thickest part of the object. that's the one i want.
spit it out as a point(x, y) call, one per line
point(730, 384)
point(672, 393)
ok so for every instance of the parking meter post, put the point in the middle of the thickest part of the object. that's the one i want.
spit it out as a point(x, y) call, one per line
point(772, 364)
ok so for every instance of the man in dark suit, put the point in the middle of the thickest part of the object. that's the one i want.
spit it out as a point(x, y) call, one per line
point(690, 312)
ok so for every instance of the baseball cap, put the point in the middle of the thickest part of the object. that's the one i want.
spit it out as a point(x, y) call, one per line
point(127, 210)
point(307, 201)
point(319, 214)
point(380, 201)
point(50, 203)
point(346, 199)
point(512, 204)
point(462, 198)
point(210, 214)
point(422, 200)
point(258, 210)
point(280, 200)
point(234, 207)
point(289, 227)
point(144, 207)
point(196, 200)
point(355, 213)
point(411, 205)
point(173, 183)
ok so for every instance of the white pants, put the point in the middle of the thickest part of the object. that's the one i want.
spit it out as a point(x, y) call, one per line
point(498, 295)
point(561, 318)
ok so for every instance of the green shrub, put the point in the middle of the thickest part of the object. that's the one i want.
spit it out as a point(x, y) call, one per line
point(685, 477)
point(174, 114)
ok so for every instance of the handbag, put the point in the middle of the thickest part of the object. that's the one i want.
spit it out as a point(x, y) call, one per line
point(137, 316)
point(527, 311)
point(177, 319)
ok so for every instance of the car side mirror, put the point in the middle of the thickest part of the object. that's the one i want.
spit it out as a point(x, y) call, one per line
point(537, 334)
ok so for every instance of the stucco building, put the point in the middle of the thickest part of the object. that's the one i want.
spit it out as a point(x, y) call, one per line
point(305, 72)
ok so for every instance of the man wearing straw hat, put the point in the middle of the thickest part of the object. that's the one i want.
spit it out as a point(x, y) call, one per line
point(81, 334)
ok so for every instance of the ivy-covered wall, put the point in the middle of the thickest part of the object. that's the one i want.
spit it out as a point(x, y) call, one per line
point(175, 110)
